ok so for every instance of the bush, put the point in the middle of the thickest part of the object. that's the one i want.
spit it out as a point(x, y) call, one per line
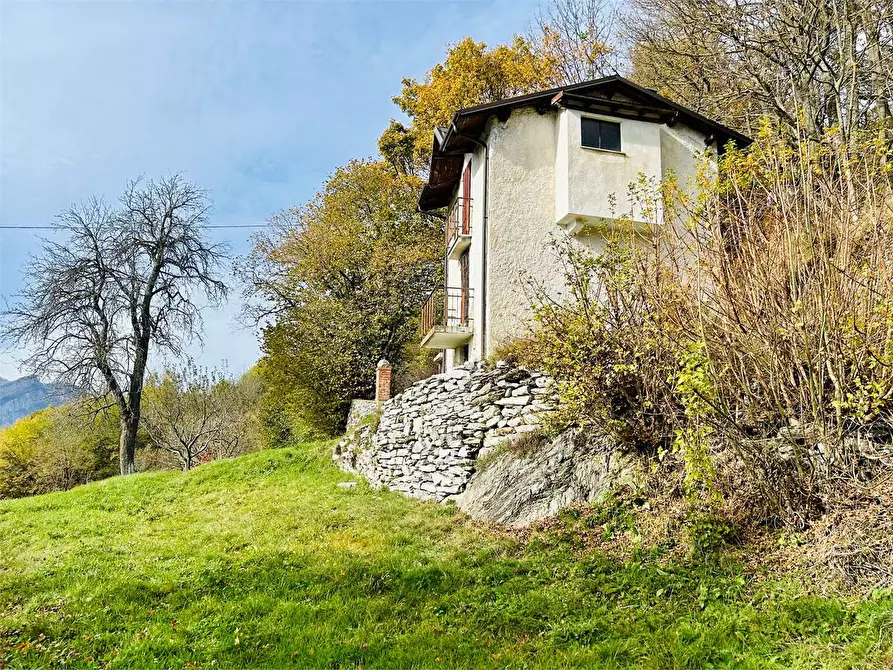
point(790, 301)
point(707, 534)
point(604, 348)
point(57, 448)
point(760, 324)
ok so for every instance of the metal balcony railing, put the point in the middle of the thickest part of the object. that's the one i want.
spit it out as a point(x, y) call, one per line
point(447, 308)
point(458, 221)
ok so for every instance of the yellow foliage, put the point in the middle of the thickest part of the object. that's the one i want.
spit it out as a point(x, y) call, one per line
point(347, 275)
point(472, 75)
point(20, 442)
point(57, 448)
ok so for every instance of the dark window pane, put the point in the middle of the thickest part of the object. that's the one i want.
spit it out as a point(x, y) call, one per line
point(610, 136)
point(590, 129)
point(600, 134)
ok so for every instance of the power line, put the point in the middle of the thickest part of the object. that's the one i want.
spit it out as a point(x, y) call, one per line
point(218, 227)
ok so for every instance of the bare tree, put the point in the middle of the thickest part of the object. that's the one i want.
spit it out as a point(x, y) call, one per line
point(194, 414)
point(811, 65)
point(237, 403)
point(181, 418)
point(579, 37)
point(120, 281)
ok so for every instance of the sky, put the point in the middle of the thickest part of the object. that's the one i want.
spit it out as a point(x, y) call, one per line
point(255, 100)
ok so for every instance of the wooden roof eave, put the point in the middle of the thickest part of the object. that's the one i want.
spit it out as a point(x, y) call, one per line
point(618, 108)
point(635, 102)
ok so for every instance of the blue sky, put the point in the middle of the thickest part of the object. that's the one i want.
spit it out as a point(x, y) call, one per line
point(257, 101)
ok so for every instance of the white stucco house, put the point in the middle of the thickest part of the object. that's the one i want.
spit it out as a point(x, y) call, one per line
point(515, 173)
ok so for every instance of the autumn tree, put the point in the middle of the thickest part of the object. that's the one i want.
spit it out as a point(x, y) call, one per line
point(577, 39)
point(809, 66)
point(397, 146)
point(195, 414)
point(114, 287)
point(339, 284)
point(238, 406)
point(57, 448)
point(80, 445)
point(471, 74)
point(19, 454)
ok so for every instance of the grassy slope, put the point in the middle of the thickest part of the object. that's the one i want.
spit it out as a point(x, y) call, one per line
point(264, 561)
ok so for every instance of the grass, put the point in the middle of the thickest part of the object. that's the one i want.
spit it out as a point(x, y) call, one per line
point(263, 561)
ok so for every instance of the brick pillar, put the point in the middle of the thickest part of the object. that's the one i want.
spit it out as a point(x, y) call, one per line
point(383, 380)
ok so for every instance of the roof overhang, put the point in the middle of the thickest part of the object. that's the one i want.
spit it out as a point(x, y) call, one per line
point(625, 109)
point(613, 96)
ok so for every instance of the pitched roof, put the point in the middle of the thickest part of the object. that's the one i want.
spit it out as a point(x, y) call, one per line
point(614, 95)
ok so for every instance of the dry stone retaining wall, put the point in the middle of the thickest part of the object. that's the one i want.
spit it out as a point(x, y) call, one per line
point(359, 410)
point(428, 438)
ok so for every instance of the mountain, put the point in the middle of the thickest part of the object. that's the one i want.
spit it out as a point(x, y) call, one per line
point(21, 397)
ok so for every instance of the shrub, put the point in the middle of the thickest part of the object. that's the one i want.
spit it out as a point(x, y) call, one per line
point(760, 322)
point(707, 534)
point(789, 298)
point(604, 348)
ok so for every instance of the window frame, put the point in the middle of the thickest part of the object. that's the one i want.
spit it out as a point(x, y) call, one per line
point(585, 119)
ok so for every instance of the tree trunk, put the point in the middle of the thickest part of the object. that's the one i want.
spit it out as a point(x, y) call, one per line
point(130, 419)
point(127, 444)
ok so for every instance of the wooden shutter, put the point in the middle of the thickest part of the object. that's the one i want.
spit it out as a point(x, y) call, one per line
point(466, 199)
point(463, 277)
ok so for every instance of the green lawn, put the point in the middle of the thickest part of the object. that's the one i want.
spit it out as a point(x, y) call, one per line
point(263, 561)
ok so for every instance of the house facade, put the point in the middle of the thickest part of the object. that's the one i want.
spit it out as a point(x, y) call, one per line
point(515, 174)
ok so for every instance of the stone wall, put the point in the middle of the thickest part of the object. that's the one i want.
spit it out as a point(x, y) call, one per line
point(359, 410)
point(428, 438)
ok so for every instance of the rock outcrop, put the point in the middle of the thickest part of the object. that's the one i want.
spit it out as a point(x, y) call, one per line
point(516, 487)
point(473, 435)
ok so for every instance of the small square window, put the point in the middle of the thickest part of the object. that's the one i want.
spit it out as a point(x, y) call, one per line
point(599, 134)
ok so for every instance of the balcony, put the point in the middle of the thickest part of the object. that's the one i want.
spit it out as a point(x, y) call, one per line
point(458, 229)
point(446, 318)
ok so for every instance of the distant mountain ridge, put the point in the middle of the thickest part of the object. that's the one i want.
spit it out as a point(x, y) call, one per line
point(21, 397)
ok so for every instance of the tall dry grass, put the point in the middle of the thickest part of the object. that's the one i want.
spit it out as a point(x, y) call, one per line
point(760, 323)
point(789, 289)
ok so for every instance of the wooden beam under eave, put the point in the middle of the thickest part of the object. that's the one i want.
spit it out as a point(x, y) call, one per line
point(621, 113)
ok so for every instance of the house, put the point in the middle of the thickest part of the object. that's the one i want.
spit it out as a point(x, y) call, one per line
point(515, 173)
